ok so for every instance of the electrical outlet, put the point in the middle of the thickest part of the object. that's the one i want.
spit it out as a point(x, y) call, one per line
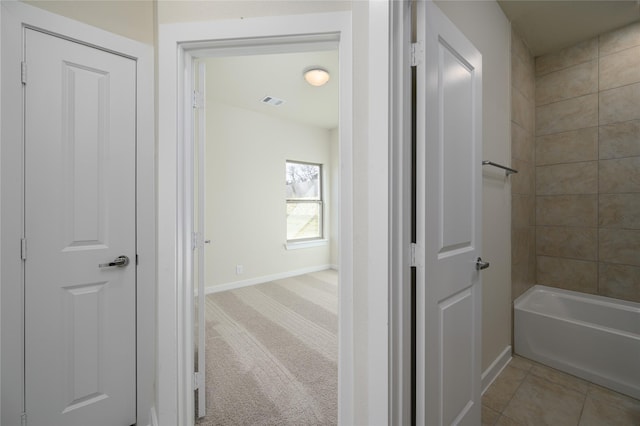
point(239, 269)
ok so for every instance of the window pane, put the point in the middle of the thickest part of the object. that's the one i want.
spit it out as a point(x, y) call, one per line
point(303, 220)
point(303, 181)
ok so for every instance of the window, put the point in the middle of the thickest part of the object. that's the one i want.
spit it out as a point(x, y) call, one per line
point(304, 201)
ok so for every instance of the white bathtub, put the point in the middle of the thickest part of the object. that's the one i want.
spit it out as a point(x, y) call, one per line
point(593, 337)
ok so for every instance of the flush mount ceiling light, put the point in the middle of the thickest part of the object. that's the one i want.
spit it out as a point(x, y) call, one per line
point(316, 76)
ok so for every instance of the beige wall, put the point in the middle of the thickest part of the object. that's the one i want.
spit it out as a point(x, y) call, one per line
point(488, 29)
point(588, 166)
point(188, 10)
point(130, 18)
point(523, 197)
point(245, 211)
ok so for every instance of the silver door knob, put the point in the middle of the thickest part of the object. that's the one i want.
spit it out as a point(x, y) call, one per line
point(118, 261)
point(480, 265)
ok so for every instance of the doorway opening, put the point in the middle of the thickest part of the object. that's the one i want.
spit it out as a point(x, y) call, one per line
point(262, 189)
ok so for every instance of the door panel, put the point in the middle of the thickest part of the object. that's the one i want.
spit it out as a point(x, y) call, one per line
point(448, 204)
point(80, 139)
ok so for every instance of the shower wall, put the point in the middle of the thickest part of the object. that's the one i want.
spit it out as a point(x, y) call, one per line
point(523, 231)
point(587, 158)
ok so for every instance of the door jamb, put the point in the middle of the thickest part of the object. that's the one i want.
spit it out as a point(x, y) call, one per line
point(175, 398)
point(15, 17)
point(400, 370)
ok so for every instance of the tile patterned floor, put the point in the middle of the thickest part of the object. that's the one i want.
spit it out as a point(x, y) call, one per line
point(530, 394)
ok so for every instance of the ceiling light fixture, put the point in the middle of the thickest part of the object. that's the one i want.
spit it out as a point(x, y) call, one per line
point(316, 76)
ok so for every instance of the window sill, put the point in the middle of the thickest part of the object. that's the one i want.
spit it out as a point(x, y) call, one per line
point(305, 244)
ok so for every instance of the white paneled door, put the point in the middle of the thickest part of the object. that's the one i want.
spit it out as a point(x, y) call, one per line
point(80, 293)
point(449, 200)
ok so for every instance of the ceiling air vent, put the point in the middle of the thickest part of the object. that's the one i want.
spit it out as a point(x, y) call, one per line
point(270, 100)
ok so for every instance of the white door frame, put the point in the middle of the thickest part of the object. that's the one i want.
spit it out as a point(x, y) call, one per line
point(175, 362)
point(400, 397)
point(15, 17)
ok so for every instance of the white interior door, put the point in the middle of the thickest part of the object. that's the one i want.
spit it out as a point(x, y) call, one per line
point(199, 143)
point(449, 148)
point(80, 157)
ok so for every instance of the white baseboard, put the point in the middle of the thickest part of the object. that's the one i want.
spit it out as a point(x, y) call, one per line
point(153, 417)
point(496, 367)
point(333, 266)
point(264, 279)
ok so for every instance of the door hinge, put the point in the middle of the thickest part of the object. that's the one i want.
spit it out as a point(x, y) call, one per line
point(198, 380)
point(137, 260)
point(198, 100)
point(23, 72)
point(417, 254)
point(416, 53)
point(194, 240)
point(23, 248)
point(23, 419)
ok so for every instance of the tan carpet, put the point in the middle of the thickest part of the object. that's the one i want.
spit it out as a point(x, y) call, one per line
point(272, 353)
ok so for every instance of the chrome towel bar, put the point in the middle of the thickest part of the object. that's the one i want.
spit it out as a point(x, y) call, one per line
point(507, 170)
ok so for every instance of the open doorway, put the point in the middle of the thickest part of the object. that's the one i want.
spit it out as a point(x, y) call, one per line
point(265, 220)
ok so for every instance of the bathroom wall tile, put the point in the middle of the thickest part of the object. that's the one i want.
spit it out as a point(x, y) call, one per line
point(569, 274)
point(623, 38)
point(522, 240)
point(577, 54)
point(619, 211)
point(620, 68)
point(541, 402)
point(522, 110)
point(520, 49)
point(619, 281)
point(533, 262)
point(619, 246)
point(567, 210)
point(620, 139)
point(567, 147)
point(522, 260)
point(606, 407)
point(523, 210)
point(620, 104)
point(619, 175)
point(522, 143)
point(522, 77)
point(575, 243)
point(571, 114)
point(522, 182)
point(567, 83)
point(571, 178)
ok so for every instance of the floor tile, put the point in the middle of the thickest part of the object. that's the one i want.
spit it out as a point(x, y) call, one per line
point(503, 388)
point(540, 402)
point(560, 378)
point(489, 416)
point(521, 363)
point(506, 421)
point(603, 406)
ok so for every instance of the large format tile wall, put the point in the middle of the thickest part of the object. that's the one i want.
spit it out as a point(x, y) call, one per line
point(523, 232)
point(587, 157)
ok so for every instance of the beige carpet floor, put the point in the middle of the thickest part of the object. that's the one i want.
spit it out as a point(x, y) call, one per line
point(272, 353)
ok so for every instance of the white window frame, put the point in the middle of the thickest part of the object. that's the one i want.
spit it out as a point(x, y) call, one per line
point(320, 201)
